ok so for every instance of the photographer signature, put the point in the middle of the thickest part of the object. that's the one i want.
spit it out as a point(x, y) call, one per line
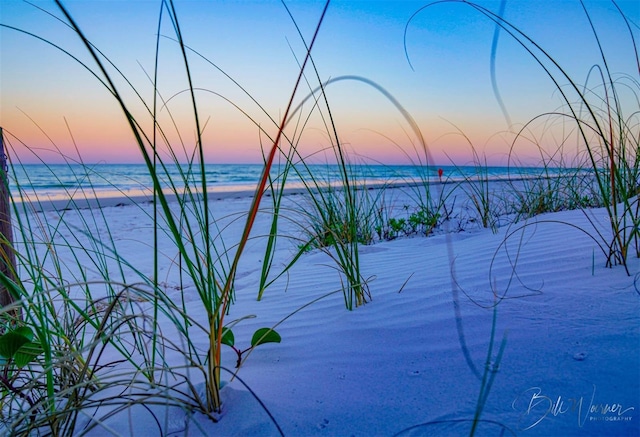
point(535, 406)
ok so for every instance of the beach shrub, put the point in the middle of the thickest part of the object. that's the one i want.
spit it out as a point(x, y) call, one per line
point(396, 227)
point(423, 220)
point(419, 222)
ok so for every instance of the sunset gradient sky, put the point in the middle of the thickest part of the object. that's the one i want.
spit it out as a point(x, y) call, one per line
point(48, 100)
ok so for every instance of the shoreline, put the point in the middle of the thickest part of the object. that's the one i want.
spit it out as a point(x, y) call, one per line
point(115, 198)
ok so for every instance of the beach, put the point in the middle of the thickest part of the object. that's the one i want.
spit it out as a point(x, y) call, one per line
point(320, 219)
point(562, 358)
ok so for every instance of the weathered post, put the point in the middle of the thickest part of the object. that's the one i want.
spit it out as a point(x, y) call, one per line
point(7, 255)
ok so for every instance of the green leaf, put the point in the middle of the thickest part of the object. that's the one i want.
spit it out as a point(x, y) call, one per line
point(265, 335)
point(24, 330)
point(11, 341)
point(27, 353)
point(10, 286)
point(227, 337)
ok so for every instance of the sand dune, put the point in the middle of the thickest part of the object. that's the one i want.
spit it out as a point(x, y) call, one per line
point(411, 361)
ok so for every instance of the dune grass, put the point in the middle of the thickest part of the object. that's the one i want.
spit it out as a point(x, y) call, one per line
point(601, 118)
point(53, 367)
point(204, 260)
point(606, 127)
point(336, 223)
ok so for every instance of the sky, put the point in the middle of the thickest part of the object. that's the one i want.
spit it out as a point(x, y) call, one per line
point(432, 60)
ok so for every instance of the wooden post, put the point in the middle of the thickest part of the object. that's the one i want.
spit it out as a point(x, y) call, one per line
point(7, 255)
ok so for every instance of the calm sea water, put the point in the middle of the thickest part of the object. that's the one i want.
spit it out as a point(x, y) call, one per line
point(62, 180)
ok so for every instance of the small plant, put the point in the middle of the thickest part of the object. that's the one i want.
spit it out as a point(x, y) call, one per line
point(423, 221)
point(261, 336)
point(393, 228)
point(18, 348)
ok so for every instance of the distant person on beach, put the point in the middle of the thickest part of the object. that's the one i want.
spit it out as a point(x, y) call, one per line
point(440, 171)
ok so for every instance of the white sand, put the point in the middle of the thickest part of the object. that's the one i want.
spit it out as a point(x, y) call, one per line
point(571, 365)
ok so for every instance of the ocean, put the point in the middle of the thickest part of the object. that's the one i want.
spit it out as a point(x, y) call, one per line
point(63, 181)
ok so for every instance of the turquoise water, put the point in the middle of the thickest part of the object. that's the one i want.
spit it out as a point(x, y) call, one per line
point(62, 180)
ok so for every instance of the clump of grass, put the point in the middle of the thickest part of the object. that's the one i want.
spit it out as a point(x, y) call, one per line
point(487, 205)
point(76, 310)
point(548, 192)
point(602, 114)
point(337, 224)
point(204, 261)
point(605, 122)
point(191, 231)
point(326, 216)
point(338, 213)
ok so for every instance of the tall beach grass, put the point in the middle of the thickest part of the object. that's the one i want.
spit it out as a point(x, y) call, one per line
point(65, 329)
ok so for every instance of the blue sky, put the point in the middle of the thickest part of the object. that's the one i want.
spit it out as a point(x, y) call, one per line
point(445, 83)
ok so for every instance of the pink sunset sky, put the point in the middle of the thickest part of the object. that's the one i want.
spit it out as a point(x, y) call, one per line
point(50, 101)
